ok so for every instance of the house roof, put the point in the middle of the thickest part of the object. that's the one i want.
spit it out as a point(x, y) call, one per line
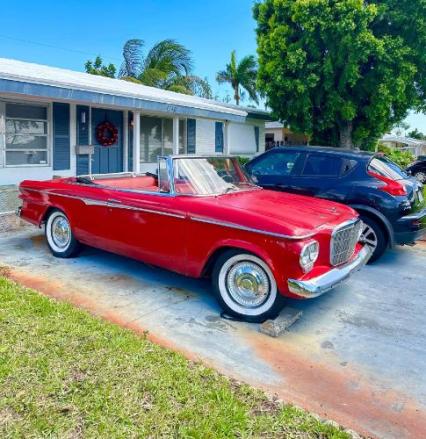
point(25, 78)
point(409, 141)
point(274, 125)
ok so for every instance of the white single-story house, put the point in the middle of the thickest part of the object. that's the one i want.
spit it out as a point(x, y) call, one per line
point(50, 120)
point(415, 146)
point(276, 134)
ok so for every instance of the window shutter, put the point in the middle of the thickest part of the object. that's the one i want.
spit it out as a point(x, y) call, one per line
point(191, 128)
point(256, 137)
point(61, 136)
point(218, 137)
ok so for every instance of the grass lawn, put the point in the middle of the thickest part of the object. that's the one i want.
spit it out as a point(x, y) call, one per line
point(67, 374)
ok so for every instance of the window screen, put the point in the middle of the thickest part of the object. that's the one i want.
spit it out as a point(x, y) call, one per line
point(26, 135)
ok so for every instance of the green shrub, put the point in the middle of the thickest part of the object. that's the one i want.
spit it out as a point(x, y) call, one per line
point(243, 160)
point(401, 158)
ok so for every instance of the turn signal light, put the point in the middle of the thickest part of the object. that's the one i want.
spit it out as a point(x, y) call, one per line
point(392, 187)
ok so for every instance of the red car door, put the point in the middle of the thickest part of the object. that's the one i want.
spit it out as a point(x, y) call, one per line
point(148, 227)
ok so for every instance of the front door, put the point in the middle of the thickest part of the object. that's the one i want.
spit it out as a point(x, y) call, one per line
point(107, 159)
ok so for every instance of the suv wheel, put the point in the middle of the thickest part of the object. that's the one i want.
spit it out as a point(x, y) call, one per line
point(374, 236)
point(421, 176)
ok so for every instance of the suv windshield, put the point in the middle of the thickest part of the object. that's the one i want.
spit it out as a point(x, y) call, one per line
point(209, 176)
point(386, 168)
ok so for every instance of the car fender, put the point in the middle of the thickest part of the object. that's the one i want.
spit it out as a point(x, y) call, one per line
point(237, 244)
point(380, 216)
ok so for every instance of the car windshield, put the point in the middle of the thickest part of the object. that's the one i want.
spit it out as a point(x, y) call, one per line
point(209, 176)
point(386, 168)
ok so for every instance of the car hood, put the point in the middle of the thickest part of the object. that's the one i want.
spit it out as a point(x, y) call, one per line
point(277, 212)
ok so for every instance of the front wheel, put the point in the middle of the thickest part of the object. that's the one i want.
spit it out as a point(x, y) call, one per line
point(245, 287)
point(59, 235)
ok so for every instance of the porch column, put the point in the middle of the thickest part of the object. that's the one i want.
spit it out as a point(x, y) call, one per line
point(176, 135)
point(125, 140)
point(136, 141)
point(226, 145)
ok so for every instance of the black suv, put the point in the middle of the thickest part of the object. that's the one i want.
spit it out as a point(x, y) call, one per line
point(418, 169)
point(390, 203)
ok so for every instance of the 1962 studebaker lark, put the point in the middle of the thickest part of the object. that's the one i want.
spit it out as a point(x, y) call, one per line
point(202, 216)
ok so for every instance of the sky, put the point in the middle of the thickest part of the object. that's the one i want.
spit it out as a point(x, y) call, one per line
point(67, 34)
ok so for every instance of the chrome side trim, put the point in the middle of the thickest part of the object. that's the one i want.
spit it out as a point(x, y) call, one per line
point(250, 229)
point(112, 204)
point(116, 205)
point(307, 289)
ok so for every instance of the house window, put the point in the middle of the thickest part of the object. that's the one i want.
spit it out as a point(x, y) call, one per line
point(157, 137)
point(26, 135)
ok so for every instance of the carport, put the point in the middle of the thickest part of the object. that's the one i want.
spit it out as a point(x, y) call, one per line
point(357, 355)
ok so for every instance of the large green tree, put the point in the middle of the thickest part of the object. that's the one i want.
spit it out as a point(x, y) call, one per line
point(167, 65)
point(240, 75)
point(342, 71)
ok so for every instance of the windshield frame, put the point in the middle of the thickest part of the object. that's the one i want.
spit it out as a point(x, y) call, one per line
point(171, 162)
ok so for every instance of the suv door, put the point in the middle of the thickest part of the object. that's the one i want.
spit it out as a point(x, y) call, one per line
point(276, 169)
point(320, 176)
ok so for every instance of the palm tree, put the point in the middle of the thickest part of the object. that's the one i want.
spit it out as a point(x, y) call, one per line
point(167, 65)
point(241, 74)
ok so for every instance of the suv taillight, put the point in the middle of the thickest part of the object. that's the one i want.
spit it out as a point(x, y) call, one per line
point(392, 187)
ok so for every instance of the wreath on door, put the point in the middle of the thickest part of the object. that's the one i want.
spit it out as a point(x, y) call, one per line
point(106, 133)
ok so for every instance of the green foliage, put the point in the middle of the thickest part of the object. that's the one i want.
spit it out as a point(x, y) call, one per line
point(342, 71)
point(243, 160)
point(67, 374)
point(97, 67)
point(167, 65)
point(416, 134)
point(240, 75)
point(401, 158)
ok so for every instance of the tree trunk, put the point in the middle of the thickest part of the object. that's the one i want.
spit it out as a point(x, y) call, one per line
point(345, 135)
point(237, 95)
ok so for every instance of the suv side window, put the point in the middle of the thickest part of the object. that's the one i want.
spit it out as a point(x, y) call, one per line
point(323, 165)
point(276, 164)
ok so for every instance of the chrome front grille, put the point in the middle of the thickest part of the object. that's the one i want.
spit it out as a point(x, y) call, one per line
point(343, 242)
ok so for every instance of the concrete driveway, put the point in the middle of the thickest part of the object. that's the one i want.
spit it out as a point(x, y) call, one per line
point(357, 356)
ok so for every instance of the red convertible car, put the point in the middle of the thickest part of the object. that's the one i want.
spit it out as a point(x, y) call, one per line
point(202, 216)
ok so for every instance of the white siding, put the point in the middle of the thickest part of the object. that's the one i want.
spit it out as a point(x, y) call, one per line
point(205, 136)
point(16, 175)
point(242, 138)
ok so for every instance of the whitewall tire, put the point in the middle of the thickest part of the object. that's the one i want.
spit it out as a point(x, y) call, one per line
point(245, 287)
point(59, 235)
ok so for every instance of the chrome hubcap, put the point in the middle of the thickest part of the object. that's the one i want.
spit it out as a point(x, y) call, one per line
point(248, 284)
point(421, 176)
point(61, 232)
point(368, 236)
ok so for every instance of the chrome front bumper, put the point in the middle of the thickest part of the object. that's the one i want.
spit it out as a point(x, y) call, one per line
point(319, 285)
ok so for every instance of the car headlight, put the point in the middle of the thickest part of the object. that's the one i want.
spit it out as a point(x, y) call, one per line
point(309, 255)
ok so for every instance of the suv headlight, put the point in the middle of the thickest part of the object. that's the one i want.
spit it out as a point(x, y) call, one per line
point(309, 255)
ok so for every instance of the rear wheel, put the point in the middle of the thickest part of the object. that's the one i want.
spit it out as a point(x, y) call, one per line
point(245, 287)
point(59, 235)
point(374, 236)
